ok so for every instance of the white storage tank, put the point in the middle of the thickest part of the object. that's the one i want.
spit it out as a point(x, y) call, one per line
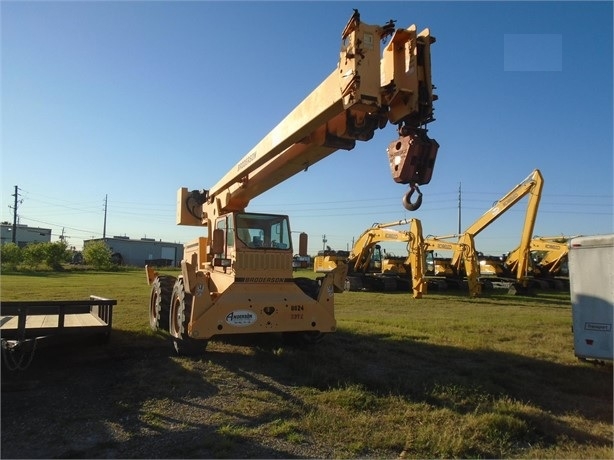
point(591, 282)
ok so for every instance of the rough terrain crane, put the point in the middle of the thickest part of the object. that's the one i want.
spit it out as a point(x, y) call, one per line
point(238, 278)
point(532, 186)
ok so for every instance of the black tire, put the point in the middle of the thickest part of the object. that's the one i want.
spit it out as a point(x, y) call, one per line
point(302, 338)
point(160, 302)
point(308, 286)
point(178, 319)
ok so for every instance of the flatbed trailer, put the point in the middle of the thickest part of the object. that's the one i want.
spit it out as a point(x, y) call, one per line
point(26, 325)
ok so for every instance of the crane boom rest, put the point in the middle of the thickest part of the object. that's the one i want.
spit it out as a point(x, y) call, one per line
point(239, 278)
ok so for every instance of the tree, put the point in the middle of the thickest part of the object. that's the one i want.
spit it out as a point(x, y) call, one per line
point(34, 254)
point(10, 256)
point(97, 254)
point(56, 254)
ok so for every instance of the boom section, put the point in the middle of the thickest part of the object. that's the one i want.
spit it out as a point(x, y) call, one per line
point(365, 92)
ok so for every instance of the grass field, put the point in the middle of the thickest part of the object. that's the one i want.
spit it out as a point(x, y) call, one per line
point(445, 376)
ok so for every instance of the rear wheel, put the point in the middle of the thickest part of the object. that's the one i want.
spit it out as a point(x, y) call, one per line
point(308, 286)
point(160, 301)
point(302, 338)
point(178, 319)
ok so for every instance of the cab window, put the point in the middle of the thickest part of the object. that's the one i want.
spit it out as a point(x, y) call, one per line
point(264, 231)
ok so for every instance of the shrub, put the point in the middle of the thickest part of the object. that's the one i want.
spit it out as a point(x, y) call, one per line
point(97, 254)
point(56, 254)
point(34, 254)
point(10, 256)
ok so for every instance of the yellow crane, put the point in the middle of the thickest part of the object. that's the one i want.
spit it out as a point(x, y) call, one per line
point(238, 278)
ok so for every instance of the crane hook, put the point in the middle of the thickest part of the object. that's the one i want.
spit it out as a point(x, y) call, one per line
point(407, 204)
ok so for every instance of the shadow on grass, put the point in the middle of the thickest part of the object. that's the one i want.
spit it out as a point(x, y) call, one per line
point(442, 377)
point(133, 398)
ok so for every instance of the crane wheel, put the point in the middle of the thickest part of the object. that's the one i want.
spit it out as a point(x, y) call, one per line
point(308, 286)
point(302, 338)
point(178, 319)
point(160, 301)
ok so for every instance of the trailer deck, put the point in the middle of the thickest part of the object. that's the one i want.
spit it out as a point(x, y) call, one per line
point(25, 320)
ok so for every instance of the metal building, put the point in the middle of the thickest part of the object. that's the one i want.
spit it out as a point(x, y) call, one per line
point(141, 252)
point(24, 234)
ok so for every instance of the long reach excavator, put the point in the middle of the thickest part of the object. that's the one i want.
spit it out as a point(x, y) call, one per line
point(238, 279)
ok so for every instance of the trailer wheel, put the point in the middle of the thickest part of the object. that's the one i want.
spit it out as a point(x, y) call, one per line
point(160, 302)
point(178, 319)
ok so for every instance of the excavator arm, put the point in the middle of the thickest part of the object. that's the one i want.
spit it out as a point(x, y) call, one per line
point(531, 186)
point(555, 253)
point(362, 251)
point(366, 91)
point(466, 247)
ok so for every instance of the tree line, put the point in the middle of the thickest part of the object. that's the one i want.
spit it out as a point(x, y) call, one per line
point(54, 256)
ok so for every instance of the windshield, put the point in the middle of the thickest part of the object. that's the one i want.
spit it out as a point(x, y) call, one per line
point(264, 231)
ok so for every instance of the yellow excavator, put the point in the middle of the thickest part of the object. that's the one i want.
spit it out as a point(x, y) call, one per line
point(369, 268)
point(547, 263)
point(442, 270)
point(532, 186)
point(238, 277)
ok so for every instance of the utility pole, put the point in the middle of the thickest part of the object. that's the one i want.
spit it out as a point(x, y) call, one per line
point(459, 208)
point(104, 227)
point(16, 195)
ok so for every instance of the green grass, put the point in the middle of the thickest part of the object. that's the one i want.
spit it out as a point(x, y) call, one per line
point(443, 376)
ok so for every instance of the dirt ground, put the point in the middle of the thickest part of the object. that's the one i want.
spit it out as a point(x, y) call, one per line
point(102, 402)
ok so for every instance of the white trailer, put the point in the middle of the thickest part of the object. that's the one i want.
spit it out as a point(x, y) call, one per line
point(591, 281)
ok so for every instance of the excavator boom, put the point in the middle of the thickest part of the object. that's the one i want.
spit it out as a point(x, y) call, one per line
point(531, 186)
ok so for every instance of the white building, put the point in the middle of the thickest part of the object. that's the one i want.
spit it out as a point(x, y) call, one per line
point(24, 234)
point(145, 251)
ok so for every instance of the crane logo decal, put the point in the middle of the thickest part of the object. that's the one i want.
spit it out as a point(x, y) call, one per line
point(246, 161)
point(241, 318)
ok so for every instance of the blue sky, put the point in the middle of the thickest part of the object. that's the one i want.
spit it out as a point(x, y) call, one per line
point(133, 100)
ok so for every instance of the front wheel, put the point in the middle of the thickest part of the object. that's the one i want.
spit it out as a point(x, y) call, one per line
point(160, 301)
point(178, 319)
